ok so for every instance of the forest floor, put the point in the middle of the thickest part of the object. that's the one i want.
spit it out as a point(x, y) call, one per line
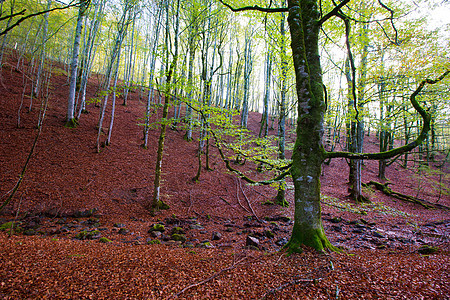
point(71, 198)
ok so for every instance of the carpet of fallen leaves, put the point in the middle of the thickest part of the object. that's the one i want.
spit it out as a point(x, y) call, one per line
point(69, 189)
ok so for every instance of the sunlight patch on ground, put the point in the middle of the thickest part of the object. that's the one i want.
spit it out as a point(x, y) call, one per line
point(363, 208)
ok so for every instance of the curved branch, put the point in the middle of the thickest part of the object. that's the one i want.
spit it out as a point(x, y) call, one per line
point(391, 18)
point(17, 23)
point(334, 12)
point(20, 13)
point(257, 8)
point(350, 58)
point(408, 147)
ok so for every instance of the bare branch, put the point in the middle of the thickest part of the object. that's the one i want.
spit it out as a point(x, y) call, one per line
point(334, 12)
point(350, 58)
point(257, 8)
point(17, 23)
point(391, 18)
point(20, 13)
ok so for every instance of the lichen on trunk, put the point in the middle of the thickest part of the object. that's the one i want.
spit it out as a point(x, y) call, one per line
point(308, 152)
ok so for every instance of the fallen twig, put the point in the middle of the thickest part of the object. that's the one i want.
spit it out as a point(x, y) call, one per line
point(237, 196)
point(388, 191)
point(248, 201)
point(209, 278)
point(287, 284)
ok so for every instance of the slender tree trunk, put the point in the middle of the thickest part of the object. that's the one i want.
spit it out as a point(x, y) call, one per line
point(42, 55)
point(151, 75)
point(248, 66)
point(281, 194)
point(70, 119)
point(264, 129)
point(157, 203)
point(89, 55)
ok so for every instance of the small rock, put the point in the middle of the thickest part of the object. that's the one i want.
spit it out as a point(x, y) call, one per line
point(378, 235)
point(179, 237)
point(252, 241)
point(157, 227)
point(427, 250)
point(155, 234)
point(337, 228)
point(119, 225)
point(123, 231)
point(281, 242)
point(188, 245)
point(207, 245)
point(358, 231)
point(177, 230)
point(216, 236)
point(336, 220)
point(196, 226)
point(269, 234)
point(252, 224)
point(29, 232)
point(173, 243)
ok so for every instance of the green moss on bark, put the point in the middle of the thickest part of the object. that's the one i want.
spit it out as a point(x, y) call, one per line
point(314, 238)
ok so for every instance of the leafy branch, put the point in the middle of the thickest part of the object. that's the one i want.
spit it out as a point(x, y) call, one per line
point(17, 23)
point(257, 8)
point(426, 116)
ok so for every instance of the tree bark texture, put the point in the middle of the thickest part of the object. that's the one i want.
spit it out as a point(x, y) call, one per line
point(308, 153)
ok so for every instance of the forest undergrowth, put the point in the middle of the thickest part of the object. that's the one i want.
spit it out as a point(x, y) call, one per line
point(78, 227)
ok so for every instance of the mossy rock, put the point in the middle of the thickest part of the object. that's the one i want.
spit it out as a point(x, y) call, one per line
point(269, 234)
point(154, 242)
point(87, 235)
point(14, 226)
point(158, 227)
point(6, 225)
point(206, 245)
point(177, 230)
point(104, 240)
point(427, 250)
point(178, 237)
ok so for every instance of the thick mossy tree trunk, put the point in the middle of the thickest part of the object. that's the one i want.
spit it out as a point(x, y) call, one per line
point(308, 152)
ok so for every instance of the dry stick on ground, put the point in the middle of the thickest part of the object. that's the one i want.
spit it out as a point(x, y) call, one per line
point(287, 284)
point(237, 196)
point(190, 202)
point(388, 191)
point(248, 201)
point(221, 198)
point(299, 280)
point(234, 265)
point(24, 169)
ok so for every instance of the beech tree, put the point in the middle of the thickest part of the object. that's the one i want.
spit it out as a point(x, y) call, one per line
point(305, 20)
point(70, 119)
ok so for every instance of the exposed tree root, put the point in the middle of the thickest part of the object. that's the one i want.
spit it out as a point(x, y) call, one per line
point(388, 191)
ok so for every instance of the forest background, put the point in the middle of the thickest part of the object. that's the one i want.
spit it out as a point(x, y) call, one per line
point(200, 69)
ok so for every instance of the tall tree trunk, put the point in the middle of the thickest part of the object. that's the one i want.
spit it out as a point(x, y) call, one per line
point(248, 66)
point(264, 129)
point(157, 203)
point(308, 153)
point(89, 54)
point(152, 74)
point(42, 55)
point(70, 118)
point(281, 194)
